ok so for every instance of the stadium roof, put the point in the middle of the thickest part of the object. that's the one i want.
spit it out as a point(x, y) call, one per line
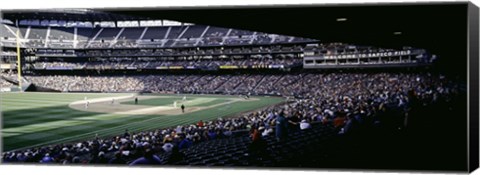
point(441, 28)
point(68, 14)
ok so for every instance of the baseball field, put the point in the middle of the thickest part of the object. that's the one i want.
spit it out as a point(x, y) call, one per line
point(35, 119)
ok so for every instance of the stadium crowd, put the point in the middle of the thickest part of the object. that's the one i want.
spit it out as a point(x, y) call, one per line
point(345, 100)
point(146, 63)
point(4, 83)
point(10, 75)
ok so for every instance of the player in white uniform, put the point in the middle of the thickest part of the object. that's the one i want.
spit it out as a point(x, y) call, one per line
point(175, 104)
point(184, 98)
point(86, 102)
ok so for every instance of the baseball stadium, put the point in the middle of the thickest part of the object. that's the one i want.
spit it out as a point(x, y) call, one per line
point(181, 87)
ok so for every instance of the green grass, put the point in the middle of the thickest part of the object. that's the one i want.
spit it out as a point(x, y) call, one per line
point(35, 119)
point(191, 101)
point(213, 102)
point(156, 101)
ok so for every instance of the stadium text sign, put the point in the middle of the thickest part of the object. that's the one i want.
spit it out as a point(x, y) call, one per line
point(368, 55)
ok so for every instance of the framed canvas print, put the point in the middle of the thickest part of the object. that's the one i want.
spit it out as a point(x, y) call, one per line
point(301, 87)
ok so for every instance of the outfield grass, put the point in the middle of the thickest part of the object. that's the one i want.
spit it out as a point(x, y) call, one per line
point(35, 119)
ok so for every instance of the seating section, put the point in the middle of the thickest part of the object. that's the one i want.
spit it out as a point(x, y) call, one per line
point(37, 33)
point(6, 33)
point(4, 83)
point(262, 39)
point(240, 33)
point(3, 79)
point(128, 37)
point(175, 32)
point(298, 39)
point(235, 151)
point(155, 33)
point(194, 31)
point(61, 33)
point(23, 30)
point(108, 34)
point(131, 33)
point(215, 32)
point(84, 33)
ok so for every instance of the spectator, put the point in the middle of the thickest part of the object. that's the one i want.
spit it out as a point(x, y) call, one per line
point(118, 160)
point(212, 134)
point(258, 146)
point(228, 132)
point(167, 147)
point(304, 125)
point(148, 158)
point(126, 134)
point(200, 123)
point(281, 127)
point(185, 143)
point(174, 156)
point(47, 159)
point(293, 122)
point(100, 159)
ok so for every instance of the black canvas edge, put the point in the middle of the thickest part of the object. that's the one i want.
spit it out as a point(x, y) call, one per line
point(473, 80)
point(253, 6)
point(1, 113)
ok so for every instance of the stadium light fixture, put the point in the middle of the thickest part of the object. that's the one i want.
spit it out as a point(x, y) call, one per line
point(397, 33)
point(341, 19)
